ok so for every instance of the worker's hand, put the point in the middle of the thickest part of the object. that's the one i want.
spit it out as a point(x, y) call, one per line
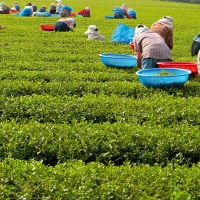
point(139, 64)
point(71, 29)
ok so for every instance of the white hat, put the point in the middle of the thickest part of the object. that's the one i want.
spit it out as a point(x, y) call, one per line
point(168, 18)
point(59, 1)
point(91, 29)
point(87, 8)
point(140, 29)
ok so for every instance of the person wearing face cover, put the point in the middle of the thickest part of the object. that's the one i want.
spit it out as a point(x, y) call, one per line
point(5, 8)
point(52, 9)
point(132, 13)
point(93, 33)
point(85, 12)
point(149, 48)
point(65, 23)
point(121, 12)
point(27, 11)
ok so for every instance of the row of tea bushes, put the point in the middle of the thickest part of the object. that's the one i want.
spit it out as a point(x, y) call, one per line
point(106, 143)
point(69, 76)
point(130, 88)
point(157, 109)
point(75, 180)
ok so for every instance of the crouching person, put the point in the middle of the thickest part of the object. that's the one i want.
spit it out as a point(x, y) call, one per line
point(150, 48)
point(65, 24)
point(85, 12)
point(93, 33)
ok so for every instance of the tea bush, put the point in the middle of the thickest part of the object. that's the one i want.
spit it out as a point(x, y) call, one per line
point(107, 143)
point(75, 180)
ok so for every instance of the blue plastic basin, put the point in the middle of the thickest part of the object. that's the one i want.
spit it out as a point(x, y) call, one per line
point(118, 60)
point(151, 77)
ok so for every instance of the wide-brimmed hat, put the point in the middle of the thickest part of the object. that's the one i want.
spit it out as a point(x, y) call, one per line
point(91, 29)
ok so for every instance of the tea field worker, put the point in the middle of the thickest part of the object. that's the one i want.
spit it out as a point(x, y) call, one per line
point(164, 27)
point(41, 12)
point(1, 9)
point(58, 5)
point(6, 8)
point(149, 48)
point(195, 47)
point(68, 8)
point(120, 12)
point(65, 24)
point(123, 7)
point(132, 13)
point(52, 9)
point(15, 8)
point(42, 9)
point(27, 11)
point(93, 33)
point(85, 12)
point(34, 7)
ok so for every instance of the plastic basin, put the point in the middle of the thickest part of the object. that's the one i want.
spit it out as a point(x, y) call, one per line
point(132, 45)
point(118, 60)
point(151, 77)
point(192, 66)
point(73, 14)
point(47, 27)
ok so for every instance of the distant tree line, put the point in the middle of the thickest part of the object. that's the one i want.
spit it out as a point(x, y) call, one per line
point(185, 1)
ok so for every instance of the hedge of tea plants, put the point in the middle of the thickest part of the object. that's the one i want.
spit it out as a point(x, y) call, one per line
point(72, 128)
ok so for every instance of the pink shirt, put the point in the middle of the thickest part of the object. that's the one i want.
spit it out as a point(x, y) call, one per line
point(152, 45)
point(68, 21)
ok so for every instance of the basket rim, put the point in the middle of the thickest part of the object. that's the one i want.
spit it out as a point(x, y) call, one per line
point(177, 62)
point(140, 72)
point(112, 55)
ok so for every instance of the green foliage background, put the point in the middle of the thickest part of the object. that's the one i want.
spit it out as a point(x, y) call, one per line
point(71, 128)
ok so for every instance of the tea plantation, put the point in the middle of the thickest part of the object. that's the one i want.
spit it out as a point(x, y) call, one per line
point(72, 128)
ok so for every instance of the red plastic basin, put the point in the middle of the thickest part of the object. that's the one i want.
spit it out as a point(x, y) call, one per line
point(192, 66)
point(132, 45)
point(47, 27)
point(73, 14)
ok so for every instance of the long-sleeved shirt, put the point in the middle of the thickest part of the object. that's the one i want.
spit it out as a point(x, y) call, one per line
point(151, 45)
point(69, 21)
point(84, 13)
point(165, 29)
